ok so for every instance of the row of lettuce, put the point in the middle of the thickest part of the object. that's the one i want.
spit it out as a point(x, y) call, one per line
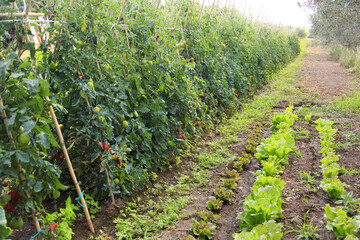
point(139, 89)
point(337, 219)
point(263, 206)
point(205, 227)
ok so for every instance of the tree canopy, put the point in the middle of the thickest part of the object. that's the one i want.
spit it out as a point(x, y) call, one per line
point(336, 21)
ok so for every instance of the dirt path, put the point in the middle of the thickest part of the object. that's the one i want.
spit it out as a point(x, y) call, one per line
point(324, 77)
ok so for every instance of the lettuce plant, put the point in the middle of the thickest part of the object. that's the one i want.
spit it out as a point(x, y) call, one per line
point(263, 204)
point(338, 222)
point(269, 230)
point(223, 194)
point(279, 145)
point(272, 167)
point(214, 204)
point(333, 187)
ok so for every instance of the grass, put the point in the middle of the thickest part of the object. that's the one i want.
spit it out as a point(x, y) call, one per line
point(347, 57)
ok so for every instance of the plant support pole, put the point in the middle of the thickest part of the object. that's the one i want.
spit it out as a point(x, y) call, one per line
point(70, 167)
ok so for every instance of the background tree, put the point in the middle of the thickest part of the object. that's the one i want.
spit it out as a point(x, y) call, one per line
point(302, 32)
point(336, 21)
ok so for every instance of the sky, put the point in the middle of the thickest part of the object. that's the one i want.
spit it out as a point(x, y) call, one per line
point(285, 12)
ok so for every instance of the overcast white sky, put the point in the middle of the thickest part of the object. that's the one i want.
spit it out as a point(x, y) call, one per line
point(285, 12)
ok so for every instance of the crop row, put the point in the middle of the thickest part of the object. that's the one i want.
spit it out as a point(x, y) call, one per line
point(205, 227)
point(343, 226)
point(263, 205)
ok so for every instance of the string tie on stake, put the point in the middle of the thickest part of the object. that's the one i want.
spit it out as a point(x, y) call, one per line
point(41, 231)
point(78, 198)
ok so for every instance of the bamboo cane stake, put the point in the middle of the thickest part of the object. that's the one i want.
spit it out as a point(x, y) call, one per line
point(138, 12)
point(167, 10)
point(212, 7)
point(245, 7)
point(187, 15)
point(258, 16)
point(177, 50)
point(19, 168)
point(222, 13)
point(202, 6)
point(178, 15)
point(126, 33)
point(30, 14)
point(119, 17)
point(70, 167)
point(157, 7)
point(102, 163)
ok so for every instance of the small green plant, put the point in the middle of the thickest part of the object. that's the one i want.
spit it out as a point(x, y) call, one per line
point(214, 204)
point(153, 176)
point(208, 216)
point(203, 230)
point(306, 231)
point(233, 174)
point(238, 166)
point(333, 187)
point(349, 172)
point(223, 194)
point(309, 180)
point(269, 230)
point(338, 222)
point(92, 205)
point(245, 159)
point(350, 203)
point(190, 237)
point(301, 133)
point(271, 167)
point(63, 220)
point(229, 183)
point(307, 118)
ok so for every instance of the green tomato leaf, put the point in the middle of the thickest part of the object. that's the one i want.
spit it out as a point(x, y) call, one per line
point(24, 157)
point(28, 126)
point(42, 139)
point(38, 186)
point(16, 75)
point(32, 85)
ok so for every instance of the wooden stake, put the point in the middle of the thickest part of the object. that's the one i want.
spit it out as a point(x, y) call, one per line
point(19, 168)
point(138, 12)
point(177, 19)
point(30, 14)
point(202, 6)
point(69, 165)
point(187, 15)
point(119, 17)
point(212, 7)
point(222, 13)
point(157, 7)
point(126, 33)
point(167, 12)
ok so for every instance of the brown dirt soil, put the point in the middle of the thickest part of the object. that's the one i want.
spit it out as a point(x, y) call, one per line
point(320, 76)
